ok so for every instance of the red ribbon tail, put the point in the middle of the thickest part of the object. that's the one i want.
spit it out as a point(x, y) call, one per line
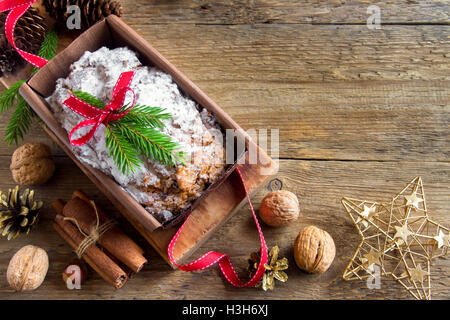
point(88, 136)
point(83, 108)
point(18, 8)
point(210, 258)
point(6, 5)
point(117, 103)
point(124, 81)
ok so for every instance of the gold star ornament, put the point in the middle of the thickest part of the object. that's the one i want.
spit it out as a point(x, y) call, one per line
point(413, 200)
point(417, 274)
point(402, 233)
point(399, 237)
point(371, 258)
point(442, 240)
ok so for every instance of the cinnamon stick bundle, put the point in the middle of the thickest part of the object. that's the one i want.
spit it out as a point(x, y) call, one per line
point(117, 243)
point(95, 257)
point(114, 256)
point(80, 194)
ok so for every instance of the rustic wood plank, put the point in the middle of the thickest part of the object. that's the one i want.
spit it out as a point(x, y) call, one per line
point(319, 185)
point(283, 68)
point(294, 53)
point(297, 53)
point(269, 69)
point(259, 73)
point(365, 120)
point(283, 11)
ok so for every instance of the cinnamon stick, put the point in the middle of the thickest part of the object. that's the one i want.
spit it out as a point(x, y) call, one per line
point(80, 194)
point(95, 257)
point(114, 241)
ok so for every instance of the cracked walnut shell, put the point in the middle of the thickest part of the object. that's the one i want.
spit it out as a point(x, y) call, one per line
point(314, 250)
point(27, 268)
point(32, 164)
point(279, 208)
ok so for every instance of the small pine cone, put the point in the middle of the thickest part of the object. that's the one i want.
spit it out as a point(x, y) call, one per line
point(18, 212)
point(91, 10)
point(29, 34)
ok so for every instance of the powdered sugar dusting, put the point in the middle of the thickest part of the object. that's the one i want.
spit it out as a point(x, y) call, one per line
point(164, 191)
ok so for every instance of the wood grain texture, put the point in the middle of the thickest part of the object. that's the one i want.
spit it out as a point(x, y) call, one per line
point(285, 74)
point(220, 200)
point(297, 53)
point(319, 185)
point(361, 113)
point(360, 122)
point(285, 11)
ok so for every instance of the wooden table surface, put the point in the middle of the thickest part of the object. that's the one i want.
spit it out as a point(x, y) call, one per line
point(361, 112)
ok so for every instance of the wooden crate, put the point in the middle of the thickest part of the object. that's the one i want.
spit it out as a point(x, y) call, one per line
point(211, 210)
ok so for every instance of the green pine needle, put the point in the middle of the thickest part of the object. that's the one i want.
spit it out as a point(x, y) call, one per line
point(22, 117)
point(151, 142)
point(89, 98)
point(48, 47)
point(146, 116)
point(8, 96)
point(19, 122)
point(124, 154)
point(136, 135)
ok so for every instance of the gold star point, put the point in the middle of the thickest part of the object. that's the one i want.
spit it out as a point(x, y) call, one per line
point(417, 274)
point(402, 233)
point(399, 258)
point(413, 200)
point(373, 257)
point(367, 212)
point(442, 239)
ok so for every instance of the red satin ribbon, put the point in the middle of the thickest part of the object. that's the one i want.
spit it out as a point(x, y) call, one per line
point(210, 258)
point(94, 116)
point(17, 9)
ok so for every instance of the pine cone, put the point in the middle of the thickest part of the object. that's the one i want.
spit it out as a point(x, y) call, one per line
point(18, 214)
point(29, 34)
point(274, 268)
point(91, 10)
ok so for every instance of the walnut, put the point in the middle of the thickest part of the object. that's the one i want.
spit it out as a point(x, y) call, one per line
point(314, 250)
point(279, 208)
point(27, 268)
point(32, 164)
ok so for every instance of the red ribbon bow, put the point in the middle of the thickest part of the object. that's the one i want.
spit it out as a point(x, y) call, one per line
point(17, 9)
point(94, 116)
point(210, 258)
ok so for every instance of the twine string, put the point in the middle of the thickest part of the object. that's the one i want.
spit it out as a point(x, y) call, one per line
point(96, 232)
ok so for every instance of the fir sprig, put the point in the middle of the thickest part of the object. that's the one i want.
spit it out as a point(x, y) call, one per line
point(146, 116)
point(139, 114)
point(152, 143)
point(22, 117)
point(137, 135)
point(49, 45)
point(89, 98)
point(19, 122)
point(124, 155)
point(8, 96)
